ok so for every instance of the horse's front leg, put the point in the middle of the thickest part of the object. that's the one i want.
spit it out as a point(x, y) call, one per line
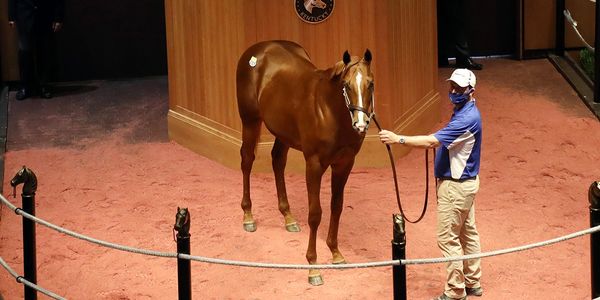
point(314, 173)
point(339, 177)
point(279, 160)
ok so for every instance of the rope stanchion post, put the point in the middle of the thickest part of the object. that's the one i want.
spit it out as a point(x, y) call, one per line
point(398, 253)
point(597, 55)
point(29, 181)
point(184, 271)
point(594, 197)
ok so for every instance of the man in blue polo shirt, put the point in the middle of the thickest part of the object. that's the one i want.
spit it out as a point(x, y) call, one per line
point(457, 169)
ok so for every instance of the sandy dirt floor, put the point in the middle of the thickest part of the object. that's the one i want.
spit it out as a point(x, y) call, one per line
point(540, 155)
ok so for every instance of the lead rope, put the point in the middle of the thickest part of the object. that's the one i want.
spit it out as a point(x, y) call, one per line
point(389, 149)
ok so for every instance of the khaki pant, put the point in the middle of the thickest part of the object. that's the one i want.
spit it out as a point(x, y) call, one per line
point(457, 234)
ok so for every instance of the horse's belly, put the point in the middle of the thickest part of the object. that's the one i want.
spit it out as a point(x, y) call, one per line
point(284, 128)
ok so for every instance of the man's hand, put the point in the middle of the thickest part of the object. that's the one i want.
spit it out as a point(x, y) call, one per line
point(56, 26)
point(11, 23)
point(388, 137)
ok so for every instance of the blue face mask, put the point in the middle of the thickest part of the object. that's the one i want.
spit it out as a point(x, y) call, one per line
point(458, 99)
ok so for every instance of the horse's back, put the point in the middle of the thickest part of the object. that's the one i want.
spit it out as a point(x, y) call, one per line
point(271, 50)
point(261, 64)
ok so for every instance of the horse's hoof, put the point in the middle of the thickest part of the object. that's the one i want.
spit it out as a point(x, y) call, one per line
point(250, 227)
point(339, 262)
point(293, 227)
point(315, 280)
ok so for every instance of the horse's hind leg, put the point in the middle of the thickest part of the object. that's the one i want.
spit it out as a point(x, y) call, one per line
point(279, 160)
point(250, 135)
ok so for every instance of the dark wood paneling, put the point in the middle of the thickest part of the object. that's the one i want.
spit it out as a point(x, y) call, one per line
point(112, 39)
point(491, 26)
point(103, 39)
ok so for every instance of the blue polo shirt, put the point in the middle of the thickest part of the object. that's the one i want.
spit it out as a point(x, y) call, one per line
point(458, 156)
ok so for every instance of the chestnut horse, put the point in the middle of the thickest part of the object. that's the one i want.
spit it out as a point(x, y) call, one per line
point(323, 113)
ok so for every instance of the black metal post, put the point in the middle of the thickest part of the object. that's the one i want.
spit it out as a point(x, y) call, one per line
point(399, 252)
point(597, 56)
point(594, 197)
point(184, 270)
point(29, 245)
point(29, 180)
point(560, 28)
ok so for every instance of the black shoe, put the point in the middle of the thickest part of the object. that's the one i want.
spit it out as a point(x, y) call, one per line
point(46, 93)
point(474, 291)
point(468, 64)
point(23, 94)
point(444, 297)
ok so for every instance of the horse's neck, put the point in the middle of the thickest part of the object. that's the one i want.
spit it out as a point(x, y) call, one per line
point(331, 94)
point(332, 82)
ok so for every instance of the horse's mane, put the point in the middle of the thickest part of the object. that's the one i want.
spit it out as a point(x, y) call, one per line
point(340, 68)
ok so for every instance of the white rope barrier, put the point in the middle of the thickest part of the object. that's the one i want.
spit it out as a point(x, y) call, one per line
point(567, 14)
point(503, 251)
point(27, 282)
point(293, 266)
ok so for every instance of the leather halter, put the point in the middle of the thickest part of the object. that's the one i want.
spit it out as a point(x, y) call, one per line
point(349, 105)
point(352, 108)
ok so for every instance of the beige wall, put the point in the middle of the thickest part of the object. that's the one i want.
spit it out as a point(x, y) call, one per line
point(206, 38)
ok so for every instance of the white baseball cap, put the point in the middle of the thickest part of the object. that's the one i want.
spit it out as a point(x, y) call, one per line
point(463, 77)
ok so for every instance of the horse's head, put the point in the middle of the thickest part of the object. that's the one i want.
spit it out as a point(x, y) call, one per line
point(182, 221)
point(29, 180)
point(309, 4)
point(358, 88)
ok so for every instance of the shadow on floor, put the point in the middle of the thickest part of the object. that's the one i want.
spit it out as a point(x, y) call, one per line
point(70, 89)
point(82, 114)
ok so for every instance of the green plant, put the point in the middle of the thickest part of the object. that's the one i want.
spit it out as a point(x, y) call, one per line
point(586, 60)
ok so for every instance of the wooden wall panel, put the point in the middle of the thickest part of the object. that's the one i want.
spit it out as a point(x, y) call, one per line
point(8, 46)
point(539, 24)
point(539, 19)
point(584, 12)
point(205, 39)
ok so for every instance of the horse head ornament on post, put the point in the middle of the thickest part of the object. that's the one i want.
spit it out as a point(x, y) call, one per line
point(27, 178)
point(182, 222)
point(358, 90)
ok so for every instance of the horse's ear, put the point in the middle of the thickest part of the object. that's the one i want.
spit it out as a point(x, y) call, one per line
point(177, 208)
point(368, 56)
point(346, 57)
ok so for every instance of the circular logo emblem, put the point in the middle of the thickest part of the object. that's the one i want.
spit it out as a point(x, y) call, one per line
point(313, 11)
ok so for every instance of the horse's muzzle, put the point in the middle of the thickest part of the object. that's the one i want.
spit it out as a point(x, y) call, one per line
point(361, 127)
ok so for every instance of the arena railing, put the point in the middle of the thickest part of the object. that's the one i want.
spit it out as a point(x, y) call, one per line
point(398, 262)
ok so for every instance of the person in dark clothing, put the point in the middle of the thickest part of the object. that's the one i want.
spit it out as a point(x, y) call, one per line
point(452, 36)
point(36, 21)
